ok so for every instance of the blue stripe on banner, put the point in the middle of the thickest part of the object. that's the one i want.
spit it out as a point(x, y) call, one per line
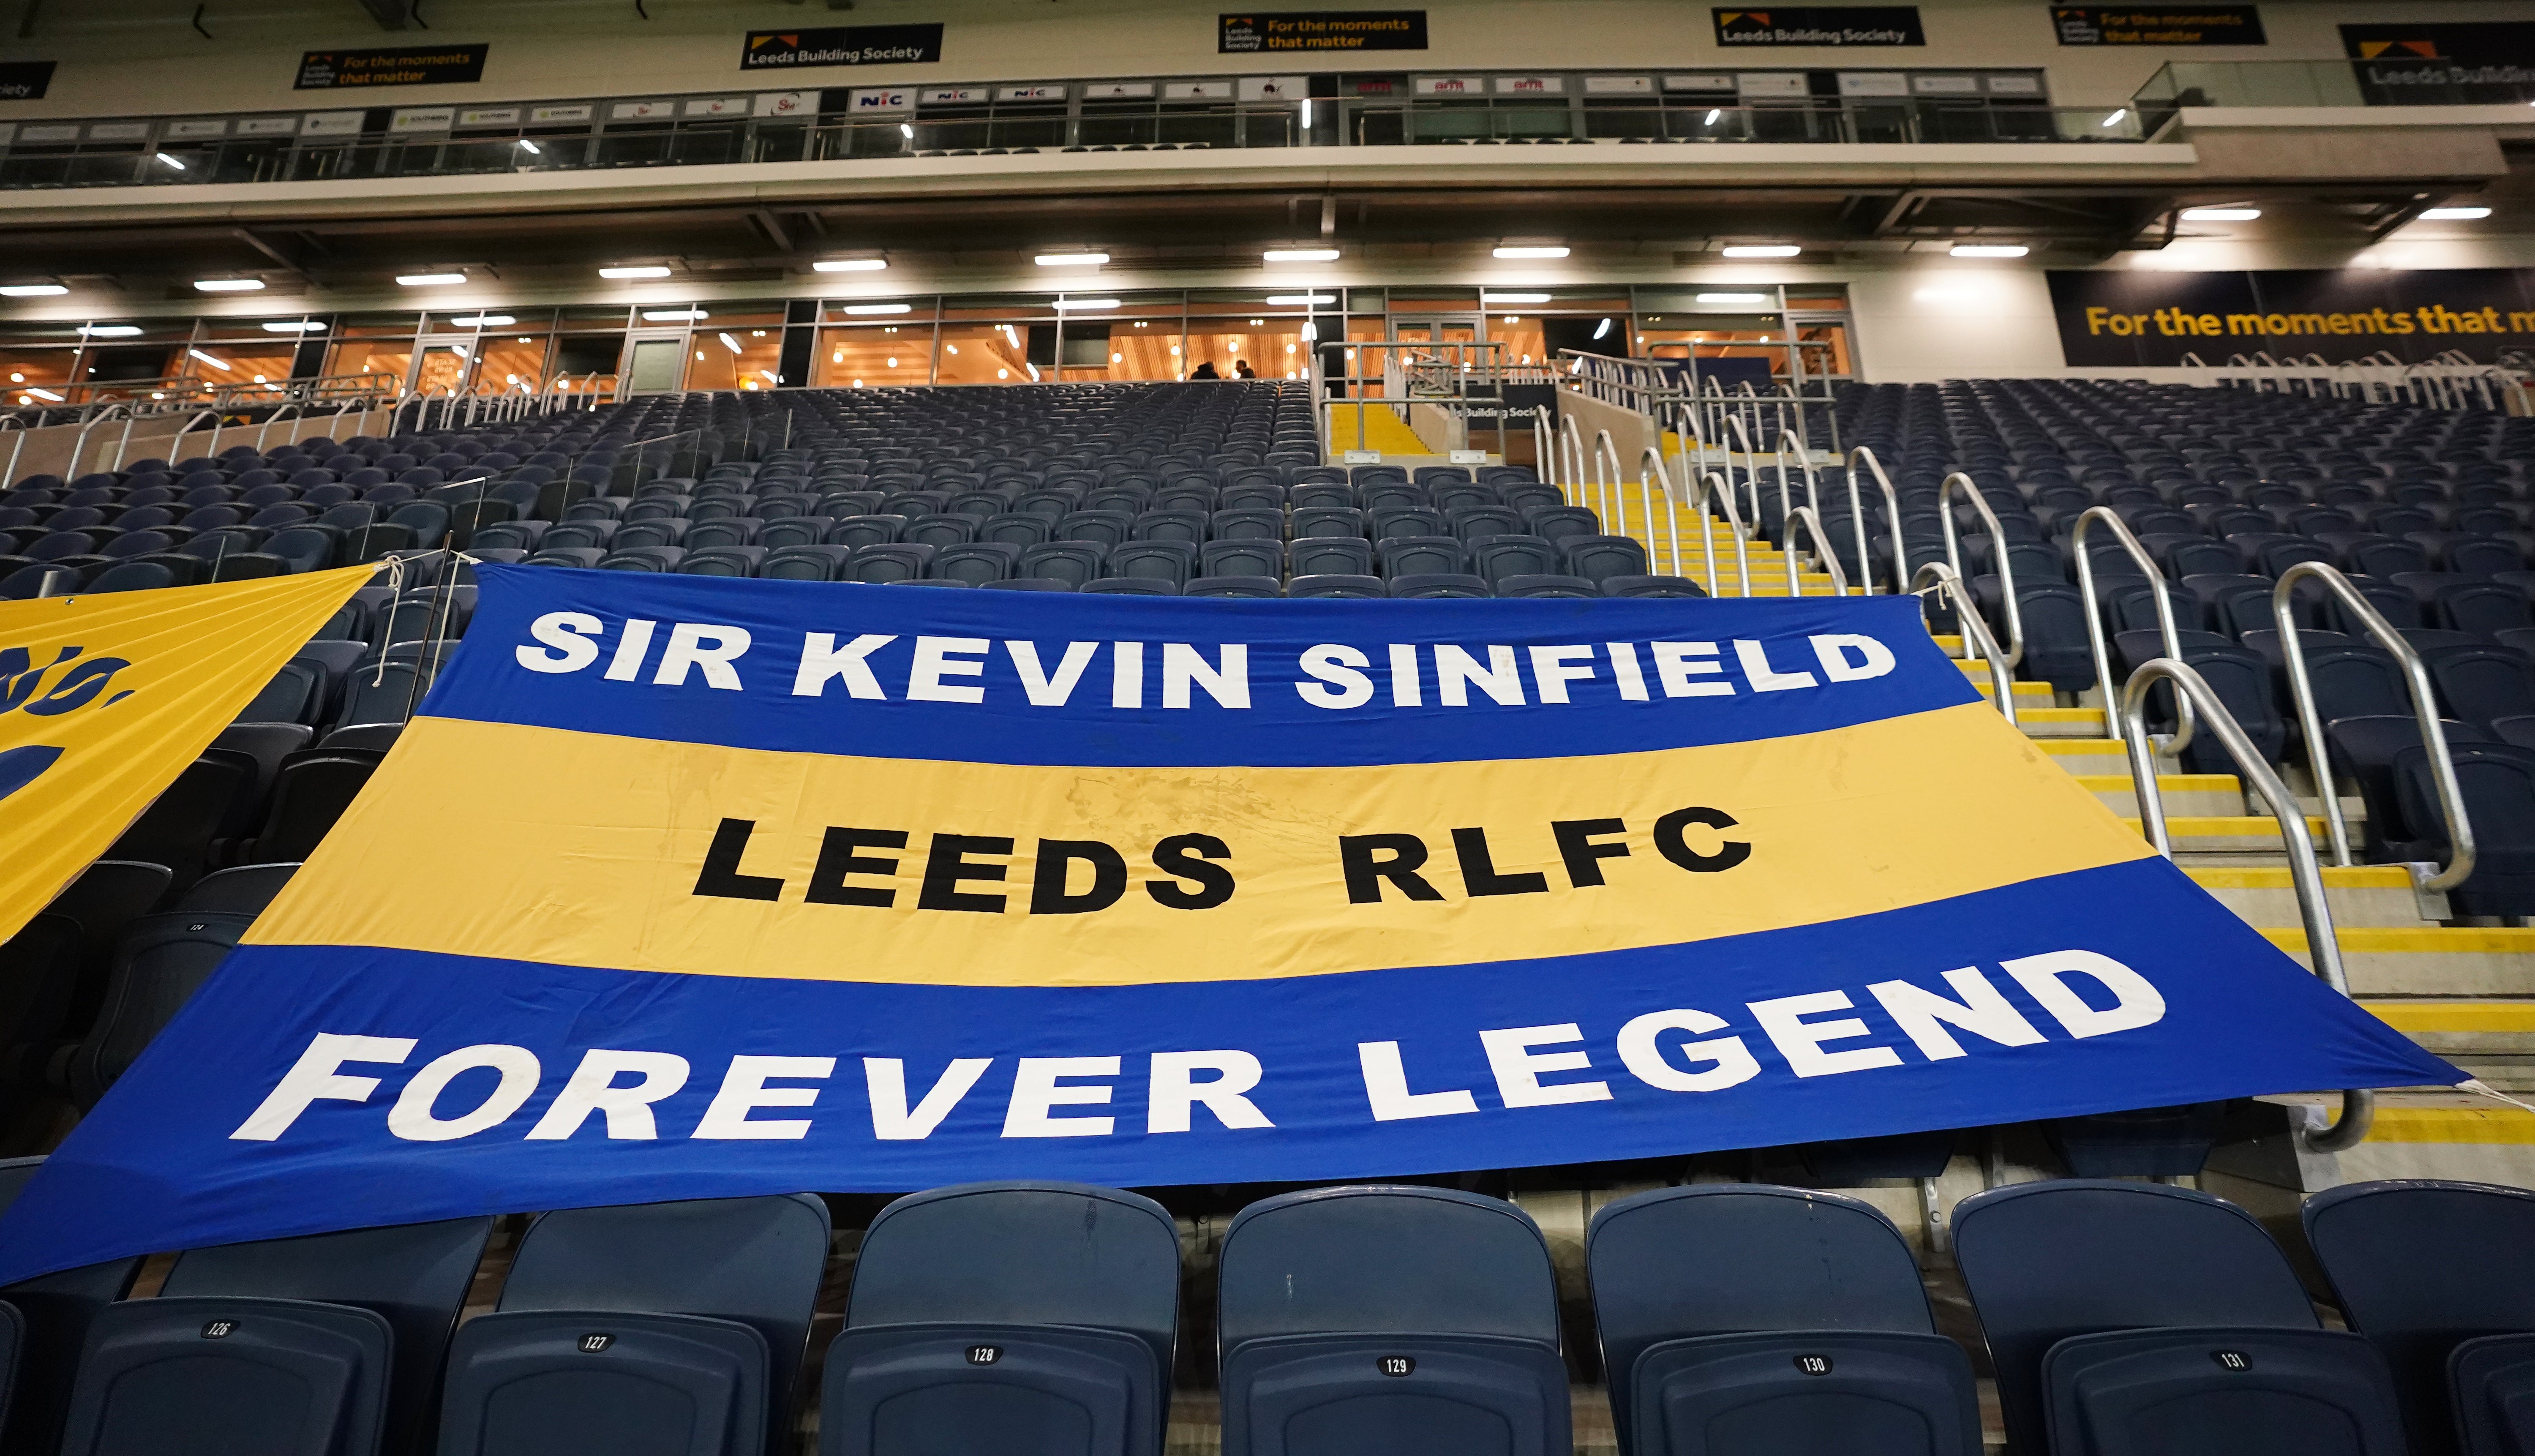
point(156, 1167)
point(1151, 683)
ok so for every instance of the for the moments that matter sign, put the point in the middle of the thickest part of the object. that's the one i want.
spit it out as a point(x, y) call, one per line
point(842, 45)
point(1821, 25)
point(1321, 30)
point(2155, 317)
point(435, 65)
point(2157, 25)
point(770, 886)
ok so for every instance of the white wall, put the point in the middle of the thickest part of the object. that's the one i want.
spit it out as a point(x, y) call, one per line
point(143, 57)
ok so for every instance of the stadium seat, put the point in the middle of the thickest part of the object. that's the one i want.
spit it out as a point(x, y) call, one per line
point(2137, 1319)
point(1233, 586)
point(671, 1327)
point(1024, 1319)
point(45, 1330)
point(1384, 1319)
point(1745, 1318)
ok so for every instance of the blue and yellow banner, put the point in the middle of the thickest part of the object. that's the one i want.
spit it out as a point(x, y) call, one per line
point(685, 887)
point(104, 700)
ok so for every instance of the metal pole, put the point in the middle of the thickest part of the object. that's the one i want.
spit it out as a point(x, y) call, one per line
point(2167, 638)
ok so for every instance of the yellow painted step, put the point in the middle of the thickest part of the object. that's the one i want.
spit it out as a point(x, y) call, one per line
point(2270, 877)
point(2037, 693)
point(2420, 940)
point(2212, 826)
point(2166, 783)
point(2493, 1124)
point(1383, 432)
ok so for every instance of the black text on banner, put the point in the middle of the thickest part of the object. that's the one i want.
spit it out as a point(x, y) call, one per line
point(1321, 30)
point(1821, 25)
point(842, 45)
point(2157, 25)
point(2139, 318)
point(437, 65)
point(25, 81)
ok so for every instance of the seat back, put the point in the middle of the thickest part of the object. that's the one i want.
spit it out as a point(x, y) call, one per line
point(2152, 1256)
point(1385, 1260)
point(57, 1311)
point(159, 965)
point(2480, 683)
point(2419, 1268)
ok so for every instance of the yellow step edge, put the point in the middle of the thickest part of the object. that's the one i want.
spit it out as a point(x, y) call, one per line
point(2432, 939)
point(2494, 1124)
point(2454, 1016)
point(2168, 782)
point(2061, 715)
point(2276, 877)
point(2188, 826)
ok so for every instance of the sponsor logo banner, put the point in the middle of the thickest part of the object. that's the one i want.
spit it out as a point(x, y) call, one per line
point(439, 65)
point(840, 45)
point(2461, 62)
point(26, 81)
point(682, 887)
point(2361, 314)
point(1821, 25)
point(1321, 30)
point(2157, 25)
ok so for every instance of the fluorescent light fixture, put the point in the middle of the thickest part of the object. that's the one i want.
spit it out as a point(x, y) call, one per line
point(31, 290)
point(207, 360)
point(1990, 250)
point(532, 147)
point(295, 326)
point(1713, 112)
point(676, 315)
point(849, 265)
point(228, 285)
point(1012, 333)
point(770, 376)
point(171, 161)
point(1762, 250)
point(1033, 372)
point(1071, 260)
point(1300, 255)
point(1299, 300)
point(1307, 114)
point(2455, 215)
point(1311, 331)
point(1087, 303)
point(1733, 298)
point(2220, 215)
point(430, 279)
point(1515, 297)
point(908, 131)
point(731, 343)
point(636, 270)
point(485, 321)
point(1544, 251)
point(49, 395)
point(2120, 113)
point(859, 309)
point(109, 330)
point(1601, 329)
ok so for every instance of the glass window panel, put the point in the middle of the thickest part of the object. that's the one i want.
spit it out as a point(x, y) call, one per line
point(39, 367)
point(259, 364)
point(378, 325)
point(608, 319)
point(984, 354)
point(734, 359)
point(1519, 339)
point(444, 369)
point(509, 361)
point(874, 355)
point(388, 357)
point(1271, 348)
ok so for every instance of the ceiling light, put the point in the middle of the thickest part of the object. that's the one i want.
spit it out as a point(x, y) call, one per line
point(207, 360)
point(770, 376)
point(1762, 250)
point(1990, 250)
point(1087, 303)
point(866, 308)
point(31, 290)
point(674, 315)
point(640, 270)
point(2220, 215)
point(1713, 112)
point(1515, 298)
point(1300, 255)
point(2119, 113)
point(731, 343)
point(2455, 215)
point(1299, 300)
point(171, 161)
point(485, 321)
point(1602, 328)
point(1545, 251)
point(1071, 260)
point(532, 147)
point(849, 265)
point(907, 131)
point(109, 330)
point(228, 285)
point(48, 395)
point(1733, 298)
point(430, 279)
point(295, 326)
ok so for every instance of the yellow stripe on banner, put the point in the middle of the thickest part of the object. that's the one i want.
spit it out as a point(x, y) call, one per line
point(106, 699)
point(586, 850)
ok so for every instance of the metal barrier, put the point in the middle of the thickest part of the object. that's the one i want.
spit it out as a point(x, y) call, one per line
point(2427, 879)
point(2167, 638)
point(2358, 1105)
point(1672, 509)
point(1892, 519)
point(1713, 486)
point(1975, 631)
point(2014, 613)
point(1812, 521)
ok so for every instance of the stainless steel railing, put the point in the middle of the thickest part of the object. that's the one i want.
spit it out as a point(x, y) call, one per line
point(1976, 632)
point(1893, 520)
point(1672, 509)
point(1715, 486)
point(1811, 520)
point(2012, 613)
point(2324, 949)
point(2095, 638)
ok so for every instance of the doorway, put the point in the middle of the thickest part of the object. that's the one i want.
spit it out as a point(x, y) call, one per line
point(654, 364)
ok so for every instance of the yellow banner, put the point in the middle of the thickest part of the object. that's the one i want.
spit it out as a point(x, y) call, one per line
point(106, 699)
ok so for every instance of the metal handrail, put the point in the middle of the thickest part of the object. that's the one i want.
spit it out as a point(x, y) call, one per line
point(1672, 509)
point(1571, 459)
point(1735, 426)
point(1711, 486)
point(1998, 556)
point(2324, 949)
point(1811, 520)
point(79, 443)
point(1607, 494)
point(2001, 682)
point(1891, 510)
point(2173, 644)
point(2416, 675)
point(9, 476)
point(276, 417)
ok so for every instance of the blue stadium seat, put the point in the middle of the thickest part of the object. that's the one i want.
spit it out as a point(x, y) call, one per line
point(1438, 584)
point(666, 1327)
point(1336, 584)
point(1233, 586)
point(2137, 1319)
point(1743, 1318)
point(1330, 556)
point(45, 1330)
point(1362, 1320)
point(1024, 1319)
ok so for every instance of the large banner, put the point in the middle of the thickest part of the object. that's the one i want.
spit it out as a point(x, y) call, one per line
point(2155, 317)
point(2442, 63)
point(104, 700)
point(683, 887)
